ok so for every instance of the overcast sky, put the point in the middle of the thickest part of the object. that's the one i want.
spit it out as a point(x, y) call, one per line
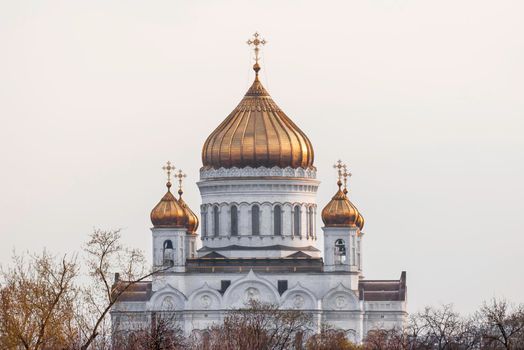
point(423, 100)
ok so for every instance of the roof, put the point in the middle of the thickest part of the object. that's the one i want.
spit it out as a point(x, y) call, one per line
point(383, 290)
point(270, 247)
point(257, 133)
point(139, 291)
point(291, 264)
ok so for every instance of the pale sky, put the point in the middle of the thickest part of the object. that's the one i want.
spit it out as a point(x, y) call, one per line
point(423, 100)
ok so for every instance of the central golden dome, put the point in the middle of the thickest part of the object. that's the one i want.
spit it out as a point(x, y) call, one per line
point(257, 133)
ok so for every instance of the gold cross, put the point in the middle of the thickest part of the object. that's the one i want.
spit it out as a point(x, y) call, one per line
point(256, 42)
point(168, 168)
point(180, 176)
point(346, 174)
point(339, 166)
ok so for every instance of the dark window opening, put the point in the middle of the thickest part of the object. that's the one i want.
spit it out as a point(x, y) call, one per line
point(277, 213)
point(224, 284)
point(255, 220)
point(282, 286)
point(168, 253)
point(216, 222)
point(234, 221)
point(296, 224)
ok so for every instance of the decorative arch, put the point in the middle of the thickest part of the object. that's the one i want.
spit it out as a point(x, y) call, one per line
point(249, 287)
point(340, 298)
point(299, 298)
point(205, 298)
point(168, 294)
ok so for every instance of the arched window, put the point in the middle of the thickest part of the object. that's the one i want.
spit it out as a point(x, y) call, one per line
point(168, 258)
point(340, 251)
point(255, 220)
point(234, 221)
point(204, 222)
point(311, 222)
point(277, 216)
point(296, 220)
point(216, 221)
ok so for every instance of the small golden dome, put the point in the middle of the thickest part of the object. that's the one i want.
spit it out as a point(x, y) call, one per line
point(192, 219)
point(168, 213)
point(340, 212)
point(257, 133)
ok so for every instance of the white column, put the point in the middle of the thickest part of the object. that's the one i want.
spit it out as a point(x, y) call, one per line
point(266, 218)
point(303, 221)
point(224, 221)
point(244, 220)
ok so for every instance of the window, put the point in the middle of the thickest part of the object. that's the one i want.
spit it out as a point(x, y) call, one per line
point(340, 251)
point(277, 215)
point(168, 258)
point(224, 284)
point(255, 220)
point(216, 221)
point(234, 221)
point(296, 220)
point(204, 223)
point(311, 225)
point(282, 286)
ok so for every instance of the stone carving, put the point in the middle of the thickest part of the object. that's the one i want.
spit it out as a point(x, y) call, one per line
point(205, 301)
point(298, 301)
point(340, 301)
point(261, 171)
point(168, 303)
point(252, 294)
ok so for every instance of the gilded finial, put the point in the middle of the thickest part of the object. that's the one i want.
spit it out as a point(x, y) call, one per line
point(345, 174)
point(168, 168)
point(256, 42)
point(180, 176)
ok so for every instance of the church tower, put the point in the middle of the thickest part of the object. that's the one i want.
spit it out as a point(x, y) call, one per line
point(343, 225)
point(174, 228)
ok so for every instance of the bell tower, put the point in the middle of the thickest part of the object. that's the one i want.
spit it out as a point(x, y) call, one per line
point(343, 226)
point(174, 228)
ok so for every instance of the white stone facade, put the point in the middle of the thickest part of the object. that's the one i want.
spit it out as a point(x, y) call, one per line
point(259, 241)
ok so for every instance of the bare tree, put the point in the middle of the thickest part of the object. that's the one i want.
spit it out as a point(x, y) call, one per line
point(105, 255)
point(503, 324)
point(164, 332)
point(37, 294)
point(330, 338)
point(258, 326)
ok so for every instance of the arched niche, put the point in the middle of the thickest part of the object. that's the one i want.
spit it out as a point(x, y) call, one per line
point(205, 298)
point(299, 298)
point(340, 298)
point(168, 298)
point(250, 287)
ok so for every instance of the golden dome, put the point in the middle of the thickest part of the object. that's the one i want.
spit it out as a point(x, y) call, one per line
point(168, 213)
point(340, 212)
point(257, 133)
point(192, 219)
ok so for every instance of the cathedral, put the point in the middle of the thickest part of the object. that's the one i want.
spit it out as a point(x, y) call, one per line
point(258, 234)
